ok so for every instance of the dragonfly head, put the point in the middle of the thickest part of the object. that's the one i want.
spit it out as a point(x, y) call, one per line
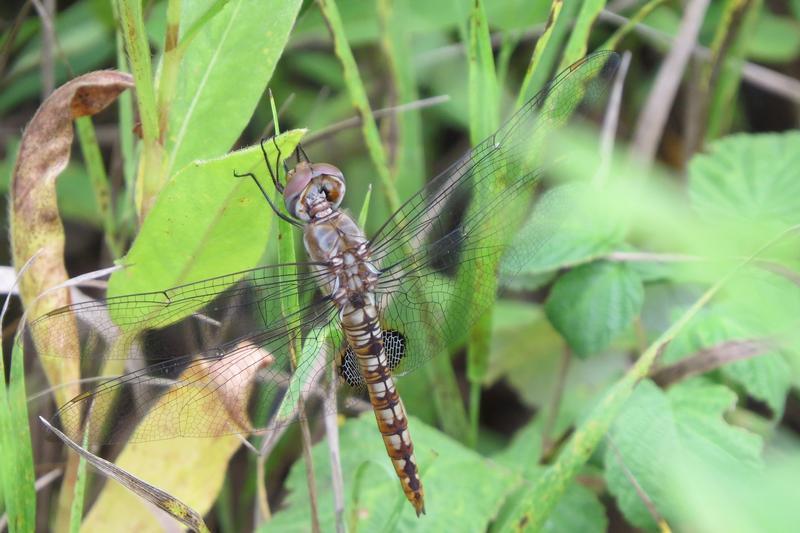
point(308, 185)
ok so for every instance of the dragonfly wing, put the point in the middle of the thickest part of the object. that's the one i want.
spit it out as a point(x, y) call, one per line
point(196, 350)
point(444, 229)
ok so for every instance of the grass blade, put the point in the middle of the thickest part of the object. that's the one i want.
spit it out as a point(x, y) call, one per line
point(484, 117)
point(577, 45)
point(16, 455)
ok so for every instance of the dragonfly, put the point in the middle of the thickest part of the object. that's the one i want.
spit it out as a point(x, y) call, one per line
point(225, 355)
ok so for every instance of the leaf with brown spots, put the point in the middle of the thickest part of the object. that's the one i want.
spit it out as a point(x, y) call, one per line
point(35, 223)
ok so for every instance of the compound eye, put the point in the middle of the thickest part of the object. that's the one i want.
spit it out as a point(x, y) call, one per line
point(334, 188)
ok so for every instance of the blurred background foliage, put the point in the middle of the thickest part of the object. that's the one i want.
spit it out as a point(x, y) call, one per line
point(609, 399)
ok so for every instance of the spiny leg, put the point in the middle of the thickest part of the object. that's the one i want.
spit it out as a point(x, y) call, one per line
point(269, 200)
point(273, 173)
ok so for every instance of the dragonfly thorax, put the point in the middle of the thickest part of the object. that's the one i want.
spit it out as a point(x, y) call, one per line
point(313, 191)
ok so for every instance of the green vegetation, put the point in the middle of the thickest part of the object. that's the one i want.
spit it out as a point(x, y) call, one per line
point(635, 362)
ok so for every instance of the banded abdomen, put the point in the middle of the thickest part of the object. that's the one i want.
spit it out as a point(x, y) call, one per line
point(363, 331)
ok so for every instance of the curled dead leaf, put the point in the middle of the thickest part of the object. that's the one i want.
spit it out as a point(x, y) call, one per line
point(35, 223)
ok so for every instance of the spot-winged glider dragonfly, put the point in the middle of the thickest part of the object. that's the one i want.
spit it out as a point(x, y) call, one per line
point(386, 303)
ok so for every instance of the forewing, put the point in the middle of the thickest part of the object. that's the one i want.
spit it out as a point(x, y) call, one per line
point(462, 219)
point(222, 368)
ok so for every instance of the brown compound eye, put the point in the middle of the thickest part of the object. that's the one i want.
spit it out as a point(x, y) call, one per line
point(305, 176)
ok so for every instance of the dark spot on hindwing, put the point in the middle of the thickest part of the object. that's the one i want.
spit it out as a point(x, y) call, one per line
point(348, 369)
point(394, 345)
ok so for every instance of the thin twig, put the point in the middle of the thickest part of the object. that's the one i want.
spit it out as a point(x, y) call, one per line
point(332, 433)
point(651, 257)
point(646, 500)
point(48, 390)
point(352, 122)
point(270, 127)
point(46, 10)
point(313, 499)
point(555, 403)
point(757, 75)
point(610, 120)
point(11, 37)
point(711, 358)
point(654, 115)
point(271, 437)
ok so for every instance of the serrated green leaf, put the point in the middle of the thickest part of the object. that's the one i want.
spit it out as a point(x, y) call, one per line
point(205, 223)
point(657, 432)
point(463, 490)
point(215, 97)
point(752, 179)
point(766, 376)
point(565, 229)
point(594, 303)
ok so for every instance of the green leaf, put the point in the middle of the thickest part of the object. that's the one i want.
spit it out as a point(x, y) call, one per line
point(483, 100)
point(205, 223)
point(463, 490)
point(16, 454)
point(215, 97)
point(657, 432)
point(775, 39)
point(752, 179)
point(565, 229)
point(593, 304)
point(766, 376)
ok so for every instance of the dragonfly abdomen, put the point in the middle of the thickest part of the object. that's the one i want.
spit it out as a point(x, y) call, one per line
point(364, 335)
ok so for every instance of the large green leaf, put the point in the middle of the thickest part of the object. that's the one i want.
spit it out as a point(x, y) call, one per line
point(766, 376)
point(594, 303)
point(658, 432)
point(750, 179)
point(205, 223)
point(216, 96)
point(463, 491)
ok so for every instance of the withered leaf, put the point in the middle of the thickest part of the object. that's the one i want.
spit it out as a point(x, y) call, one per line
point(35, 223)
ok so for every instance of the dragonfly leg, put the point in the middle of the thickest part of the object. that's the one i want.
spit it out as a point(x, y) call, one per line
point(269, 200)
point(273, 173)
point(299, 151)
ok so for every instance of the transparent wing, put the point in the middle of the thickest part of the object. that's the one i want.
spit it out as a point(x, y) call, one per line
point(444, 228)
point(209, 358)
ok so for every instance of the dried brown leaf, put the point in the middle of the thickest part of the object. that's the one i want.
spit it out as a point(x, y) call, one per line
point(35, 223)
